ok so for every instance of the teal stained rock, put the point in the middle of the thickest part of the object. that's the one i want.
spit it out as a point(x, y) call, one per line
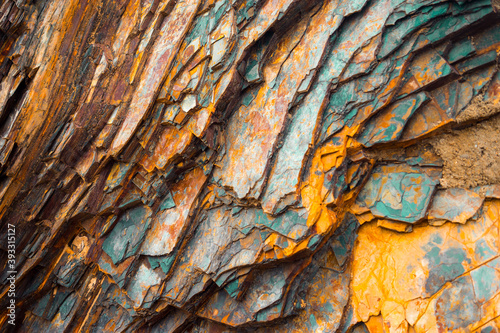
point(389, 124)
point(399, 192)
point(127, 234)
point(460, 50)
point(455, 205)
point(402, 27)
point(457, 306)
point(477, 61)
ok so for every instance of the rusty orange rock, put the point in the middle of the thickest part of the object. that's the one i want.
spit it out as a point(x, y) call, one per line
point(249, 165)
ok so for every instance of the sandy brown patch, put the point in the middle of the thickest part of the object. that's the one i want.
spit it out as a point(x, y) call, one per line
point(471, 155)
point(478, 109)
point(496, 5)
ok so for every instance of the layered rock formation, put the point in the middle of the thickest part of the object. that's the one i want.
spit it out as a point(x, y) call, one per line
point(250, 165)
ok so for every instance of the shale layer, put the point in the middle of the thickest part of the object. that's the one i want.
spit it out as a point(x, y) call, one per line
point(250, 165)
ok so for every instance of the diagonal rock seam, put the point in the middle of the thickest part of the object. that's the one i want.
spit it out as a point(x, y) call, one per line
point(250, 165)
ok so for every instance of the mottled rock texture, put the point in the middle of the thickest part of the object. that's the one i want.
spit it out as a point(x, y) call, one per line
point(250, 165)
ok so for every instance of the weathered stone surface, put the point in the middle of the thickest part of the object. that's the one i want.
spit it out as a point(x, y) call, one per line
point(250, 165)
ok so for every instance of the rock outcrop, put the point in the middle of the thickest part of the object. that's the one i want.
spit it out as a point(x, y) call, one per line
point(250, 165)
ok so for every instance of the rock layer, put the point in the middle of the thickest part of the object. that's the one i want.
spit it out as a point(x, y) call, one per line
point(250, 165)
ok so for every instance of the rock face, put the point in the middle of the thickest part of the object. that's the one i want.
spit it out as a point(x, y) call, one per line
point(250, 165)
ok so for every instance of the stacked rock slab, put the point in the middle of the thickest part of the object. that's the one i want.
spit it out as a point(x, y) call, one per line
point(250, 165)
